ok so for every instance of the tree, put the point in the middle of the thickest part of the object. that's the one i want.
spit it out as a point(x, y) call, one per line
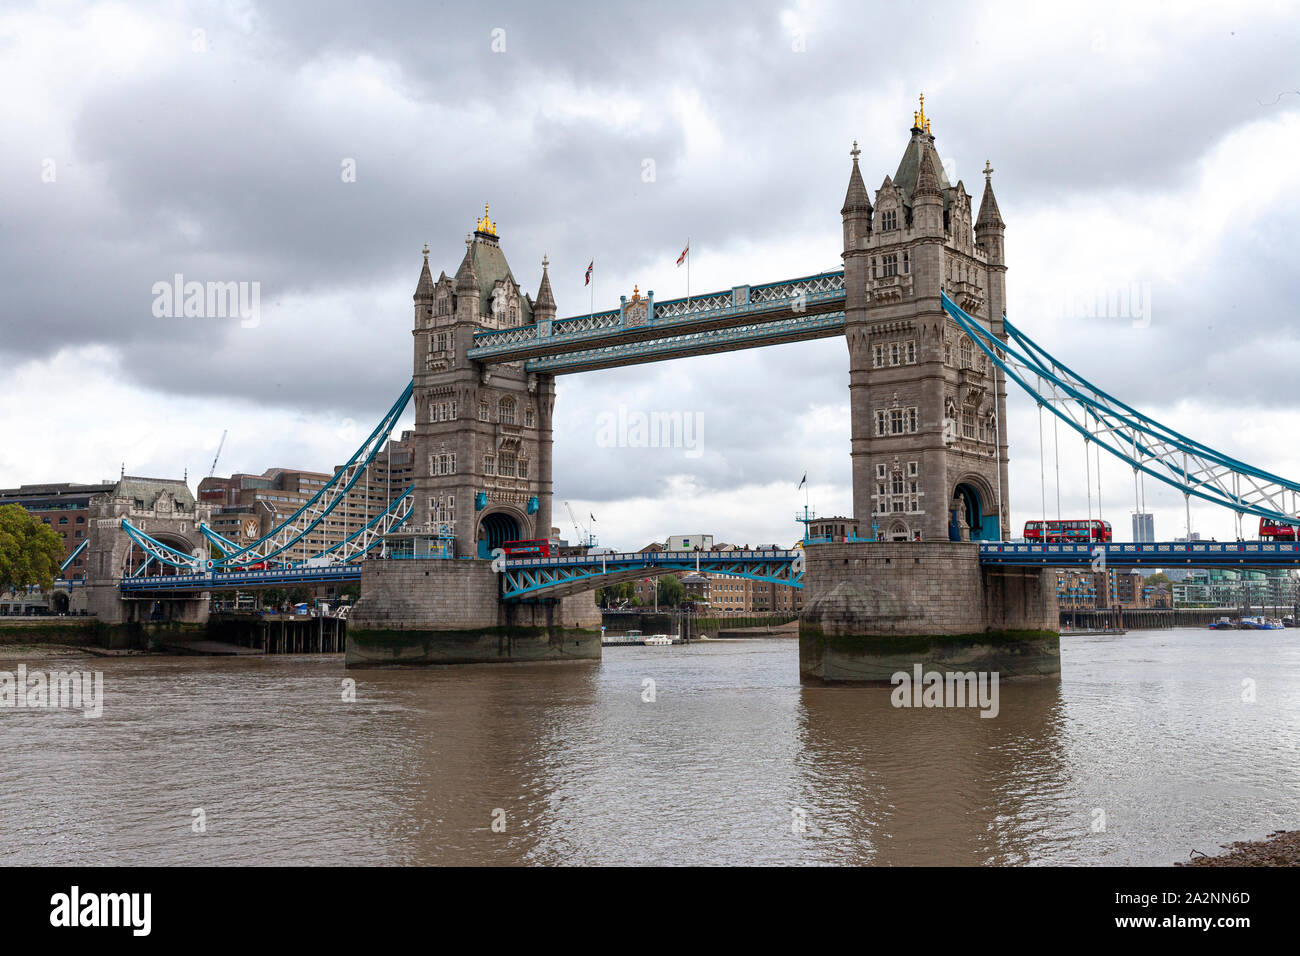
point(1159, 578)
point(30, 551)
point(671, 591)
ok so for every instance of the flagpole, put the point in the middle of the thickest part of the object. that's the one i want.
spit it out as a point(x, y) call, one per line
point(688, 273)
point(593, 288)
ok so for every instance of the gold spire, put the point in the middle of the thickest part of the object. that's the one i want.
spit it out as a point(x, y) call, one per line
point(918, 117)
point(636, 294)
point(485, 225)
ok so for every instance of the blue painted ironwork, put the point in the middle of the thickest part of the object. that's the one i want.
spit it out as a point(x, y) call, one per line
point(739, 306)
point(220, 580)
point(76, 552)
point(555, 577)
point(1190, 554)
point(160, 552)
point(303, 521)
point(1139, 441)
point(709, 341)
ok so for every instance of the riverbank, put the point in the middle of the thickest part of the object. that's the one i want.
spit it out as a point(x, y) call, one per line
point(1281, 848)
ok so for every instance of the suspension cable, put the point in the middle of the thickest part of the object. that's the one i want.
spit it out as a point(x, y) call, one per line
point(1042, 477)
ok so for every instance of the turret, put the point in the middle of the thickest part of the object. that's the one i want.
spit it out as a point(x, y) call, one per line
point(544, 307)
point(927, 197)
point(989, 227)
point(856, 211)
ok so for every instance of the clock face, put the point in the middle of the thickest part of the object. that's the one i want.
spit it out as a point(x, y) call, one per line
point(250, 528)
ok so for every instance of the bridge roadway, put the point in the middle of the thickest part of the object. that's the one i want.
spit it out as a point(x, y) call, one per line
point(560, 576)
point(1189, 554)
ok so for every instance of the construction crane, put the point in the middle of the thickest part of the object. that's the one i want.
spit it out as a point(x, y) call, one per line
point(220, 445)
point(588, 538)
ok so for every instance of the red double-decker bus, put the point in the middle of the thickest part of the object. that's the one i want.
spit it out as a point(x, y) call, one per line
point(1270, 530)
point(532, 548)
point(1058, 532)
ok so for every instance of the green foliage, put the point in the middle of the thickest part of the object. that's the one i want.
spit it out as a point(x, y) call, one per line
point(671, 591)
point(1159, 578)
point(30, 551)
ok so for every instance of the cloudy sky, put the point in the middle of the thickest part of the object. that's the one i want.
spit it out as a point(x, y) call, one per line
point(1148, 146)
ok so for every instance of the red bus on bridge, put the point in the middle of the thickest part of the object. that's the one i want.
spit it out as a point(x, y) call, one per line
point(1066, 532)
point(532, 548)
point(1270, 530)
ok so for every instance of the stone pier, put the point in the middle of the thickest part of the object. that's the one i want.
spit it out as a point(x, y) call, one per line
point(873, 609)
point(450, 612)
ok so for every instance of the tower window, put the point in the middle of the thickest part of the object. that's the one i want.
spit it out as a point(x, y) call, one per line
point(529, 416)
point(889, 220)
point(489, 465)
point(484, 414)
point(909, 349)
point(895, 354)
point(907, 265)
point(965, 352)
point(878, 356)
point(891, 265)
point(506, 411)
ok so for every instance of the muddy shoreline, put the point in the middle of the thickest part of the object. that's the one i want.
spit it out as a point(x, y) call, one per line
point(1280, 848)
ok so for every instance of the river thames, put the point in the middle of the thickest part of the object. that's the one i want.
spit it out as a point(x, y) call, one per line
point(1148, 748)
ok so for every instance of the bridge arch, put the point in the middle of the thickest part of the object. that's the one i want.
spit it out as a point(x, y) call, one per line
point(898, 530)
point(972, 511)
point(497, 527)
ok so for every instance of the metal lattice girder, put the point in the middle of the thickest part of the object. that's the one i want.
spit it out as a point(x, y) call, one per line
point(221, 580)
point(1191, 554)
point(159, 551)
point(725, 339)
point(557, 577)
point(1141, 442)
point(359, 543)
point(303, 521)
point(809, 295)
point(67, 562)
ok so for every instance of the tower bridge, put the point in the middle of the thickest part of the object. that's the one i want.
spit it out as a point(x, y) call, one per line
point(920, 300)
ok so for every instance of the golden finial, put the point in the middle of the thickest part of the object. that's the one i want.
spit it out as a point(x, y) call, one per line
point(485, 225)
point(918, 117)
point(426, 250)
point(636, 294)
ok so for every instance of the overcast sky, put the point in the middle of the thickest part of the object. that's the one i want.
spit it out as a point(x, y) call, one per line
point(1147, 144)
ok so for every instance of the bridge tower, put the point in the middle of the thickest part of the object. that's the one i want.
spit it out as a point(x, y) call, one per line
point(482, 476)
point(482, 433)
point(929, 447)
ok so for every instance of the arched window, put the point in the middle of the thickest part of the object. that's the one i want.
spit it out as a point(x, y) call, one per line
point(506, 411)
point(966, 358)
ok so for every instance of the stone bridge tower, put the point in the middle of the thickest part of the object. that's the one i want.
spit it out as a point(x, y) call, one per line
point(482, 432)
point(163, 508)
point(929, 443)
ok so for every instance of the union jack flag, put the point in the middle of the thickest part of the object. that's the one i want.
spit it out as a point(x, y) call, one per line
point(587, 281)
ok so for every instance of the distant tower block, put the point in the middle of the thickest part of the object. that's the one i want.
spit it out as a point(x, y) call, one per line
point(929, 449)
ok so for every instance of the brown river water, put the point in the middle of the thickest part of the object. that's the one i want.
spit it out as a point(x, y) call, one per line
point(1144, 751)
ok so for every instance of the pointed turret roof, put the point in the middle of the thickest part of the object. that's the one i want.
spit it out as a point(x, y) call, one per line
point(424, 288)
point(989, 215)
point(928, 176)
point(856, 199)
point(466, 279)
point(545, 300)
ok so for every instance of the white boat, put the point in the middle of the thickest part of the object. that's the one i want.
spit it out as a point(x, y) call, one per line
point(658, 640)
